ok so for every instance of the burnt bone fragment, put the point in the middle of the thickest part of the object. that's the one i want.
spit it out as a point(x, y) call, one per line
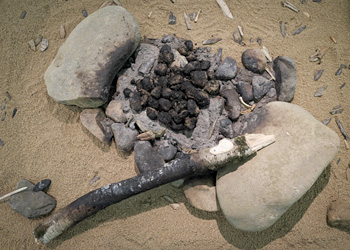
point(165, 55)
point(147, 84)
point(199, 78)
point(135, 101)
point(190, 122)
point(192, 107)
point(165, 117)
point(212, 87)
point(164, 104)
point(161, 69)
point(152, 102)
point(151, 113)
point(201, 98)
point(189, 45)
point(191, 66)
point(167, 93)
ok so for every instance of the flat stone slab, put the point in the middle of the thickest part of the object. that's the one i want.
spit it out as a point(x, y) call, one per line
point(257, 193)
point(87, 62)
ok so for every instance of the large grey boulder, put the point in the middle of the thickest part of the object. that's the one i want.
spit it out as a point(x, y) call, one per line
point(31, 204)
point(85, 65)
point(258, 192)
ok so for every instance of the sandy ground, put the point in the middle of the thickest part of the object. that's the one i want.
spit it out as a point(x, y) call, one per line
point(46, 139)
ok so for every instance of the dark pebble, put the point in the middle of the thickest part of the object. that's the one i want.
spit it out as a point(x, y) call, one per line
point(164, 104)
point(259, 41)
point(165, 117)
point(166, 93)
point(201, 98)
point(152, 102)
point(23, 14)
point(161, 69)
point(165, 55)
point(42, 185)
point(342, 86)
point(156, 92)
point(167, 151)
point(175, 79)
point(8, 95)
point(299, 30)
point(226, 128)
point(127, 92)
point(85, 14)
point(179, 105)
point(135, 101)
point(190, 122)
point(189, 45)
point(339, 71)
point(191, 57)
point(1, 143)
point(172, 18)
point(183, 51)
point(14, 112)
point(318, 74)
point(316, 1)
point(147, 84)
point(192, 107)
point(245, 90)
point(199, 78)
point(212, 87)
point(205, 65)
point(152, 113)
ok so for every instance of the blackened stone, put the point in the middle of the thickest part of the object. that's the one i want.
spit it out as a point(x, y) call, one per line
point(177, 95)
point(212, 87)
point(175, 79)
point(165, 117)
point(152, 102)
point(167, 93)
point(192, 107)
point(167, 150)
point(205, 65)
point(211, 74)
point(232, 104)
point(180, 117)
point(151, 113)
point(177, 127)
point(146, 158)
point(167, 39)
point(147, 84)
point(191, 57)
point(183, 51)
point(127, 92)
point(180, 105)
point(245, 90)
point(165, 55)
point(189, 45)
point(226, 128)
point(161, 69)
point(191, 92)
point(201, 98)
point(164, 104)
point(144, 99)
point(199, 78)
point(244, 75)
point(42, 185)
point(286, 78)
point(254, 60)
point(191, 66)
point(139, 85)
point(156, 92)
point(190, 122)
point(227, 69)
point(175, 87)
point(135, 101)
point(261, 86)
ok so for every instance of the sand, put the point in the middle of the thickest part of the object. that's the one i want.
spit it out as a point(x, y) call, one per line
point(46, 140)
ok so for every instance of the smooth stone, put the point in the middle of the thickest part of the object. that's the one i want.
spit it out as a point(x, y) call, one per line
point(232, 105)
point(89, 119)
point(255, 194)
point(115, 112)
point(225, 128)
point(42, 185)
point(245, 90)
point(85, 65)
point(146, 158)
point(286, 78)
point(167, 150)
point(201, 193)
point(125, 138)
point(146, 124)
point(227, 70)
point(338, 214)
point(31, 204)
point(260, 86)
point(254, 60)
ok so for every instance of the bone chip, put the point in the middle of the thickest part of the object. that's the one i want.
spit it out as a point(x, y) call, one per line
point(44, 44)
point(224, 8)
point(212, 41)
point(62, 32)
point(289, 6)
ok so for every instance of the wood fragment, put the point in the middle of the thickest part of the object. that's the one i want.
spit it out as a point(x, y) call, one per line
point(318, 74)
point(211, 41)
point(192, 16)
point(238, 38)
point(326, 121)
point(224, 8)
point(336, 107)
point(266, 53)
point(342, 86)
point(62, 32)
point(341, 128)
point(338, 160)
point(283, 28)
point(13, 192)
point(333, 39)
point(319, 92)
point(196, 19)
point(187, 22)
point(289, 6)
point(23, 14)
point(198, 163)
point(299, 30)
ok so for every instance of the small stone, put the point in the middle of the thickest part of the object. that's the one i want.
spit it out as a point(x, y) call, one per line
point(127, 92)
point(145, 124)
point(135, 102)
point(199, 78)
point(161, 69)
point(227, 70)
point(226, 128)
point(88, 119)
point(179, 62)
point(2, 143)
point(192, 107)
point(338, 215)
point(32, 45)
point(212, 87)
point(232, 103)
point(146, 158)
point(194, 65)
point(183, 51)
point(152, 102)
point(261, 86)
point(115, 112)
point(165, 118)
point(38, 40)
point(44, 44)
point(286, 78)
point(254, 60)
point(31, 204)
point(152, 113)
point(172, 18)
point(156, 92)
point(245, 90)
point(166, 55)
point(125, 138)
point(167, 150)
point(205, 65)
point(202, 98)
point(189, 45)
point(42, 185)
point(167, 39)
point(190, 122)
point(62, 32)
point(201, 193)
point(85, 14)
point(177, 183)
point(164, 104)
point(167, 93)
point(23, 14)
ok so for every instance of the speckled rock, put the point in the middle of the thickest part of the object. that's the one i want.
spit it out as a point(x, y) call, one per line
point(254, 60)
point(86, 64)
point(257, 193)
